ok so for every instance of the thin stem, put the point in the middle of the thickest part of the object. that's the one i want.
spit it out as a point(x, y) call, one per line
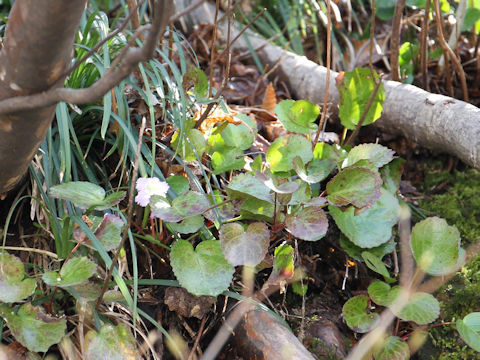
point(328, 65)
point(395, 39)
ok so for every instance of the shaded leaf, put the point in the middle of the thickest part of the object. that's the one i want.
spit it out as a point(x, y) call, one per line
point(283, 261)
point(33, 328)
point(75, 271)
point(189, 225)
point(355, 251)
point(244, 247)
point(111, 343)
point(469, 329)
point(310, 223)
point(382, 294)
point(203, 271)
point(391, 174)
point(178, 183)
point(14, 285)
point(375, 263)
point(421, 308)
point(393, 348)
point(240, 136)
point(356, 316)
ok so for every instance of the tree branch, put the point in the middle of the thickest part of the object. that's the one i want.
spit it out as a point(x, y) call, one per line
point(129, 59)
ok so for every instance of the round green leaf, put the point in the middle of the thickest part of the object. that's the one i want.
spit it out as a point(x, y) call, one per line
point(203, 271)
point(358, 186)
point(227, 159)
point(469, 334)
point(178, 183)
point(382, 294)
point(73, 272)
point(355, 251)
point(393, 348)
point(184, 147)
point(33, 328)
point(435, 246)
point(356, 316)
point(284, 149)
point(112, 342)
point(372, 227)
point(377, 154)
point(473, 320)
point(244, 247)
point(189, 225)
point(310, 223)
point(298, 116)
point(14, 285)
point(240, 136)
point(355, 90)
point(421, 308)
point(246, 185)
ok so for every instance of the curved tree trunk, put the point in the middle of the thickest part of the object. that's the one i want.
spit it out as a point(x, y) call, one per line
point(38, 49)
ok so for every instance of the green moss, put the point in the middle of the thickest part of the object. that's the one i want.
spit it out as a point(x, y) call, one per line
point(459, 204)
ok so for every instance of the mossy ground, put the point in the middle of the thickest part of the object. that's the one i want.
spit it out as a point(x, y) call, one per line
point(459, 204)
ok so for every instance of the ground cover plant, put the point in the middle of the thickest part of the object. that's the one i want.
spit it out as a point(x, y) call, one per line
point(168, 197)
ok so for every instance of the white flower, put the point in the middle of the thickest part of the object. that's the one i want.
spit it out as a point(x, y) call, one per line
point(147, 187)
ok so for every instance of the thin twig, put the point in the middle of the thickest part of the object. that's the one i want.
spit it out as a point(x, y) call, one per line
point(39, 251)
point(212, 48)
point(129, 215)
point(197, 339)
point(448, 52)
point(424, 47)
point(133, 8)
point(395, 39)
point(327, 84)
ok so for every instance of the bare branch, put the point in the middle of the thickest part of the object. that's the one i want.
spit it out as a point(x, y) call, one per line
point(130, 59)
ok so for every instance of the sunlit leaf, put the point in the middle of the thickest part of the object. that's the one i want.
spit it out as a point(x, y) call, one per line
point(355, 91)
point(298, 116)
point(284, 149)
point(393, 348)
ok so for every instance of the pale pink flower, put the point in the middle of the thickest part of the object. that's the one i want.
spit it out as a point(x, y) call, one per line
point(147, 187)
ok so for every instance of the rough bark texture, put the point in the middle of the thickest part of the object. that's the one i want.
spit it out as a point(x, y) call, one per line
point(437, 122)
point(260, 336)
point(38, 48)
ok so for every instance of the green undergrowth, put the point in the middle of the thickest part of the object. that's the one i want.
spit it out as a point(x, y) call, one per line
point(459, 204)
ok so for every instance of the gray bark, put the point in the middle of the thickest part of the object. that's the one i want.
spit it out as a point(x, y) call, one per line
point(436, 122)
